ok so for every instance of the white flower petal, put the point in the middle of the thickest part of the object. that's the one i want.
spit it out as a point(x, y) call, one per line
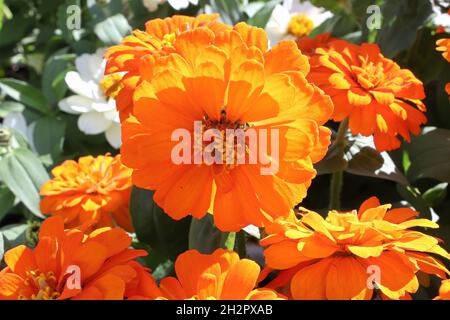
point(91, 67)
point(93, 123)
point(79, 86)
point(179, 4)
point(113, 135)
point(253, 231)
point(76, 104)
point(277, 26)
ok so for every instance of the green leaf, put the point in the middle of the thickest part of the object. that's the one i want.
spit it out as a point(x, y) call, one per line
point(55, 68)
point(205, 237)
point(14, 30)
point(429, 155)
point(24, 93)
point(24, 175)
point(113, 29)
point(10, 106)
point(155, 228)
point(401, 20)
point(48, 135)
point(436, 195)
point(415, 199)
point(262, 16)
point(6, 201)
point(229, 10)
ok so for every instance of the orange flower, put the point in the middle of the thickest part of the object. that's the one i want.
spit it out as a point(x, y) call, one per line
point(444, 291)
point(443, 45)
point(378, 97)
point(138, 51)
point(72, 265)
point(221, 275)
point(348, 254)
point(93, 192)
point(226, 82)
point(309, 45)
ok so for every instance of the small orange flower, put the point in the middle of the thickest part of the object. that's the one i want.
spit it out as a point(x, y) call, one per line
point(373, 92)
point(228, 81)
point(443, 45)
point(72, 265)
point(93, 192)
point(348, 254)
point(218, 276)
point(309, 45)
point(138, 51)
point(444, 290)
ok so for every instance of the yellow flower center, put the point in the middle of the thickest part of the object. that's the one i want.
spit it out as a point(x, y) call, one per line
point(300, 25)
point(370, 75)
point(168, 40)
point(43, 285)
point(111, 85)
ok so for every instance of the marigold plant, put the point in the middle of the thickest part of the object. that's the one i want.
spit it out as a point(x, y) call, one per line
point(220, 275)
point(89, 193)
point(333, 258)
point(373, 92)
point(248, 87)
point(71, 265)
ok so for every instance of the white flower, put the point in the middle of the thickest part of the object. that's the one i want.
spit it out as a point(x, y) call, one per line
point(97, 111)
point(152, 5)
point(293, 19)
point(181, 4)
point(439, 18)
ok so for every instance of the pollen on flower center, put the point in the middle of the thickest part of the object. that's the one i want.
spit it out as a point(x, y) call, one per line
point(168, 39)
point(111, 85)
point(42, 285)
point(370, 75)
point(300, 25)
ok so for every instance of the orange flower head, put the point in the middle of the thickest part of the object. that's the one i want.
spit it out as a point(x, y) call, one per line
point(309, 45)
point(350, 254)
point(443, 45)
point(373, 92)
point(217, 276)
point(444, 290)
point(72, 265)
point(90, 193)
point(139, 50)
point(217, 83)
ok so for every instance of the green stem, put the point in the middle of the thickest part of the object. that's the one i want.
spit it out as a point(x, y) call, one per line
point(230, 241)
point(337, 178)
point(242, 251)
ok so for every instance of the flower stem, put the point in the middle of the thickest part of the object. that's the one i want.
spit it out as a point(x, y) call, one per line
point(242, 251)
point(230, 241)
point(337, 178)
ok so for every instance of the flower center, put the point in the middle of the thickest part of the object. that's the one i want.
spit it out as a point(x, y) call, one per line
point(370, 75)
point(300, 25)
point(111, 85)
point(42, 285)
point(168, 39)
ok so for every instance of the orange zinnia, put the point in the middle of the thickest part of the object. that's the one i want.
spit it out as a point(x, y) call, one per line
point(228, 81)
point(348, 254)
point(221, 275)
point(137, 51)
point(309, 45)
point(444, 290)
point(443, 45)
point(93, 192)
point(373, 92)
point(72, 265)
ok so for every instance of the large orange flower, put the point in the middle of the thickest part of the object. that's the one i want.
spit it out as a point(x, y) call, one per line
point(221, 275)
point(228, 81)
point(72, 265)
point(93, 192)
point(373, 92)
point(138, 51)
point(348, 254)
point(444, 290)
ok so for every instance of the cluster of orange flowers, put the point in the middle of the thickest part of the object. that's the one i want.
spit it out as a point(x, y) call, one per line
point(183, 70)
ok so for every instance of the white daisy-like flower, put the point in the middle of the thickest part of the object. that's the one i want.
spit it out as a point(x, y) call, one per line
point(294, 19)
point(94, 98)
point(182, 4)
point(152, 5)
point(440, 18)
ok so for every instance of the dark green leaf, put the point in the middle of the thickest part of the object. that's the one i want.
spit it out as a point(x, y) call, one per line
point(205, 237)
point(155, 228)
point(262, 16)
point(24, 93)
point(48, 135)
point(6, 201)
point(436, 195)
point(53, 85)
point(229, 10)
